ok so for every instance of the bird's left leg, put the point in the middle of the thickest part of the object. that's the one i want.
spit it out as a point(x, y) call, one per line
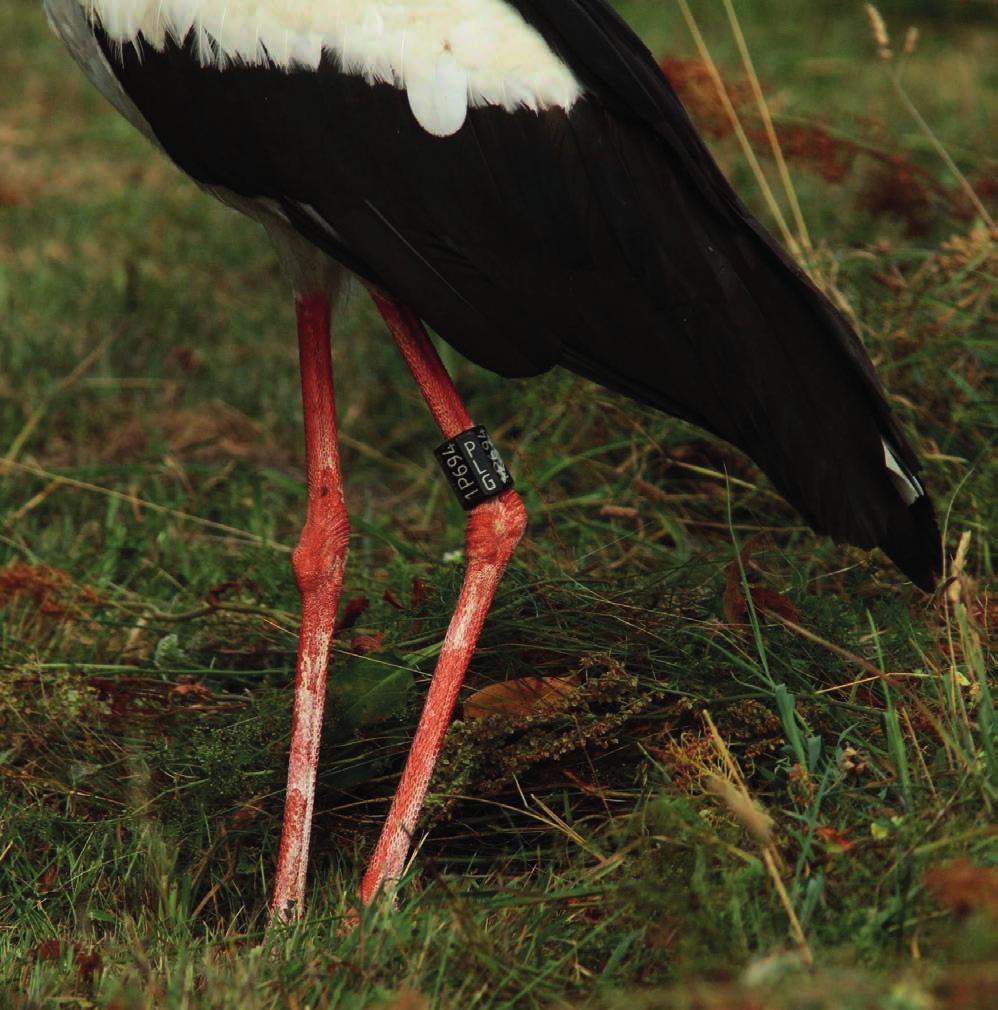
point(494, 528)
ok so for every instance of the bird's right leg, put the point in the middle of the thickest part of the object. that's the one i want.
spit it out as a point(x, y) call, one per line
point(318, 560)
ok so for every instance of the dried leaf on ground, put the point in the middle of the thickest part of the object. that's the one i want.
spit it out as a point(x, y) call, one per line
point(522, 697)
point(363, 644)
point(352, 612)
point(834, 838)
point(735, 604)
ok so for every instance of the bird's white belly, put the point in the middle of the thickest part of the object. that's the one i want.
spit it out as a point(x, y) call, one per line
point(447, 55)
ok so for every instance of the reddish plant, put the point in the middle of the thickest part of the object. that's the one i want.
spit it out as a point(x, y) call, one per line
point(896, 188)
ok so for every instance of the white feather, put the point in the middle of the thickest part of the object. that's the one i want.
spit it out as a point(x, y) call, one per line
point(448, 55)
point(907, 486)
point(439, 96)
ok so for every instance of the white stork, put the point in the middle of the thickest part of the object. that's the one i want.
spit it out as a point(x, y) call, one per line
point(519, 175)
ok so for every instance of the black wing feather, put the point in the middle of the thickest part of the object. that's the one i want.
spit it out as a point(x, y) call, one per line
point(605, 239)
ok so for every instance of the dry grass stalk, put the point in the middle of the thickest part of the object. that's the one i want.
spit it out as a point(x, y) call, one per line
point(930, 135)
point(875, 672)
point(767, 120)
point(966, 647)
point(739, 129)
point(916, 745)
point(744, 809)
point(882, 39)
point(955, 589)
point(879, 29)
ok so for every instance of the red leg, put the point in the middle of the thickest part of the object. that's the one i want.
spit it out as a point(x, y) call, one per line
point(318, 562)
point(494, 529)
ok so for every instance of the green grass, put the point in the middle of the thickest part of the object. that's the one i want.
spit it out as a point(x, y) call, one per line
point(584, 855)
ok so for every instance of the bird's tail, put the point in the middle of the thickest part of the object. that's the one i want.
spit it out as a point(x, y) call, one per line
point(879, 500)
point(774, 368)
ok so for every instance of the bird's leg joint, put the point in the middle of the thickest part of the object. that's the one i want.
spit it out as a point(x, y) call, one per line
point(495, 528)
point(322, 547)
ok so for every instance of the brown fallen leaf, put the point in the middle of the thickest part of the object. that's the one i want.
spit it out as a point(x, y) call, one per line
point(775, 603)
point(194, 690)
point(47, 879)
point(834, 837)
point(735, 605)
point(351, 613)
point(521, 697)
point(363, 644)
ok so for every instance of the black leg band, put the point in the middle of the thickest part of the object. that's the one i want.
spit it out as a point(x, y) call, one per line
point(473, 467)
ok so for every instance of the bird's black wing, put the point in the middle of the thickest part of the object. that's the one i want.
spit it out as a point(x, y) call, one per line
point(615, 64)
point(604, 239)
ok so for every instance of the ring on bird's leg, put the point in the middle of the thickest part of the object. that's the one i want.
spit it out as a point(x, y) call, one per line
point(473, 467)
